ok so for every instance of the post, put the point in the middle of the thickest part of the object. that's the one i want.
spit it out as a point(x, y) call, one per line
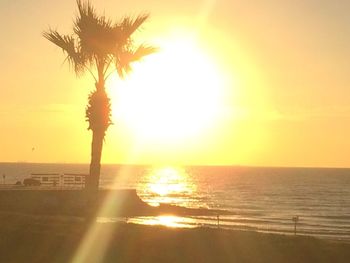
point(295, 219)
point(3, 177)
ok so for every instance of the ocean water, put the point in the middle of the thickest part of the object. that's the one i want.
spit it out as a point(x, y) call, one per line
point(260, 199)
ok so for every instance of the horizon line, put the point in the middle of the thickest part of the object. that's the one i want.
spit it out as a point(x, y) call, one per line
point(184, 165)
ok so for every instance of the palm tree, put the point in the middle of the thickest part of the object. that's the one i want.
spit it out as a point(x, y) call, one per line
point(99, 46)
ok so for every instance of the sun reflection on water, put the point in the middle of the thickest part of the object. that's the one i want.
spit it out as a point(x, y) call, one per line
point(167, 185)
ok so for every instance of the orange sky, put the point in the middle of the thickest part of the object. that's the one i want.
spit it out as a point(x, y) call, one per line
point(285, 101)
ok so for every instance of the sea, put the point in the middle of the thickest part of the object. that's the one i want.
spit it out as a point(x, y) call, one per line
point(305, 201)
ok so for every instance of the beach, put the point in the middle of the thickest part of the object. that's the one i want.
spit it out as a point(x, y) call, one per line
point(29, 238)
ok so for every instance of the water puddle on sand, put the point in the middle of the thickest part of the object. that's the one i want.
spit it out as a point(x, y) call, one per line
point(163, 220)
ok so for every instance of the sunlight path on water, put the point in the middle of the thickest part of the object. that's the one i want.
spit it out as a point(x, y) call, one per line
point(166, 185)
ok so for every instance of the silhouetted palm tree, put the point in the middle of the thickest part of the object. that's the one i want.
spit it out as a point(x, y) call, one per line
point(99, 46)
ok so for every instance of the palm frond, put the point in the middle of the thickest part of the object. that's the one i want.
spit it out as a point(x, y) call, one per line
point(126, 58)
point(96, 33)
point(141, 52)
point(130, 25)
point(68, 45)
point(98, 42)
point(86, 9)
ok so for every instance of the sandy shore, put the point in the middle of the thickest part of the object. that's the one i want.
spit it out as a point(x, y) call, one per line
point(28, 238)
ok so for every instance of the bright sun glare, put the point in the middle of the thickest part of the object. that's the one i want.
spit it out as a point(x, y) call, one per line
point(172, 95)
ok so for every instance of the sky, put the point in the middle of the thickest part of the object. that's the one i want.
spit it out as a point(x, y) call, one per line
point(272, 76)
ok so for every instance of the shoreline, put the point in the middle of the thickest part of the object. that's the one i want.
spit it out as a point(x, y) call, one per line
point(191, 222)
point(38, 238)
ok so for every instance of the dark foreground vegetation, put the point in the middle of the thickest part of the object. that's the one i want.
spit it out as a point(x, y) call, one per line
point(37, 238)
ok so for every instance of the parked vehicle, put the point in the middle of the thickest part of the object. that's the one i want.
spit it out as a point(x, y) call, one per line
point(31, 182)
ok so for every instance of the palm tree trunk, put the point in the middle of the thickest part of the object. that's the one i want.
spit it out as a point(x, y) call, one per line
point(95, 164)
point(98, 115)
point(92, 181)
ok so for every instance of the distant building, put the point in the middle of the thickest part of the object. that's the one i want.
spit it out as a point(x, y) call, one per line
point(56, 179)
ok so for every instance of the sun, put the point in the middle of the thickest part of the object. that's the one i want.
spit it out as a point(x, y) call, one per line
point(173, 95)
